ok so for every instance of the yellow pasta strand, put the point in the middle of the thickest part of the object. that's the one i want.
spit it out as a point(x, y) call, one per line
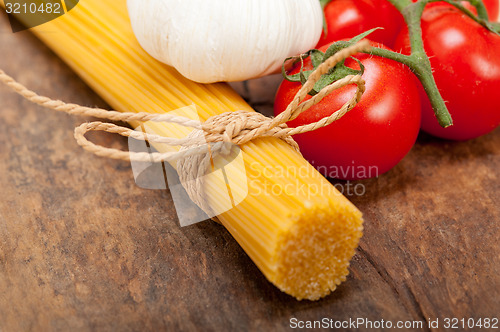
point(296, 227)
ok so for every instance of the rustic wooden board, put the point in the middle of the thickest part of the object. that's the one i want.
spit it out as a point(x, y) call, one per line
point(83, 248)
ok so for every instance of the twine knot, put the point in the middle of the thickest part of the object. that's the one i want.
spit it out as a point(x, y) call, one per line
point(229, 129)
point(241, 127)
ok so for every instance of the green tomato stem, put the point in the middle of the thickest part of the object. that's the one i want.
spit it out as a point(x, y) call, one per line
point(404, 59)
point(481, 19)
point(418, 61)
point(401, 4)
point(482, 13)
point(496, 27)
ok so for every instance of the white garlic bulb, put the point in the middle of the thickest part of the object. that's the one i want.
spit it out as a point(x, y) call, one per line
point(225, 40)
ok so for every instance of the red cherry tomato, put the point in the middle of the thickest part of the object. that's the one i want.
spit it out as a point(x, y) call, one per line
point(349, 18)
point(465, 58)
point(374, 136)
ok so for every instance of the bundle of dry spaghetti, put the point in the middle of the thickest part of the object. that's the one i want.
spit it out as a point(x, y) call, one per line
point(296, 227)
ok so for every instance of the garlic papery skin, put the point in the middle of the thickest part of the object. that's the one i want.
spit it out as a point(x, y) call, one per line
point(225, 40)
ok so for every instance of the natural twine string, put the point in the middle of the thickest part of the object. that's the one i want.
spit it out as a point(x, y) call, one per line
point(208, 138)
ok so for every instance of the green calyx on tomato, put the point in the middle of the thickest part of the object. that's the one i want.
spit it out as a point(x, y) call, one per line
point(317, 57)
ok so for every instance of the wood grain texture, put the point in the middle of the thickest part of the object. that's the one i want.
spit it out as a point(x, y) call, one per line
point(82, 248)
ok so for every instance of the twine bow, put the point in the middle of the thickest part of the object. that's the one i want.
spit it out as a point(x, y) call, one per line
point(207, 138)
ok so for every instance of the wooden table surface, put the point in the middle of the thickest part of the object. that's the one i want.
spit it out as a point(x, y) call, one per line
point(82, 248)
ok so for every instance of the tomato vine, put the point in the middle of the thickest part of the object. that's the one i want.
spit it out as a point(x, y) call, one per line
point(417, 60)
